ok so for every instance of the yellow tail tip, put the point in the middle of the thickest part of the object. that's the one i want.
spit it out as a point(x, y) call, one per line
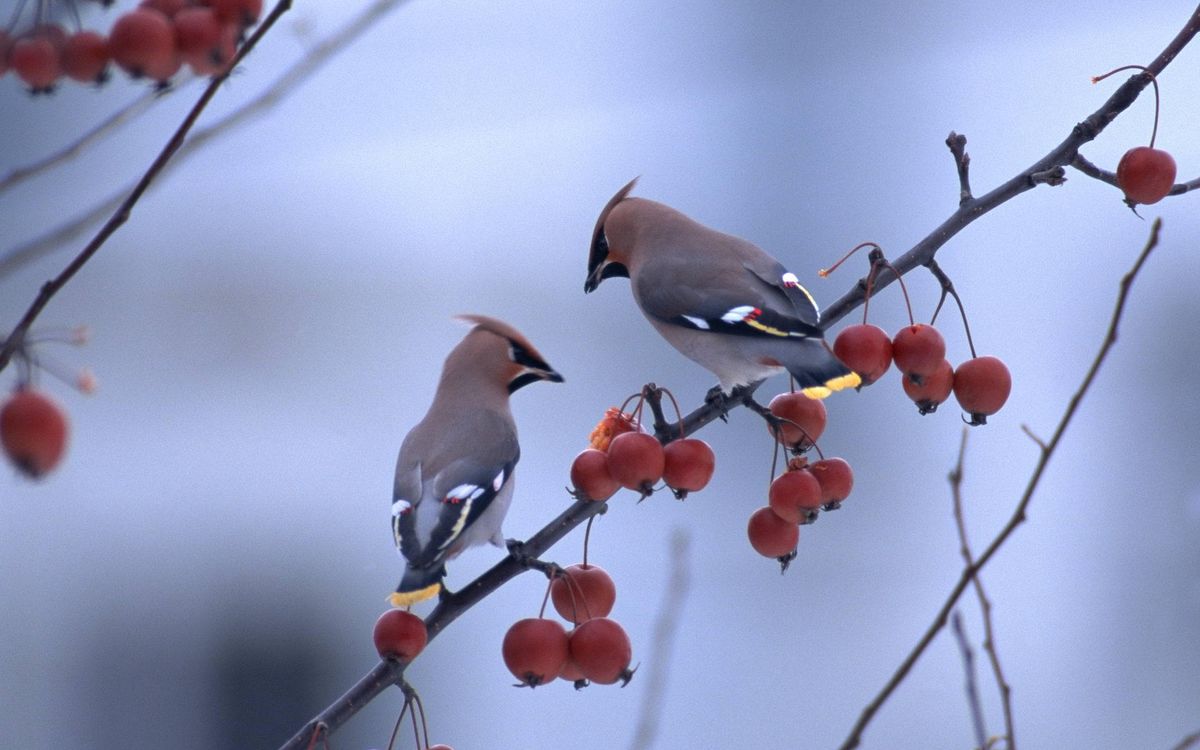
point(409, 598)
point(850, 380)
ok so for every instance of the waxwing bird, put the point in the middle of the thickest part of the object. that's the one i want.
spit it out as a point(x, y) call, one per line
point(454, 475)
point(718, 299)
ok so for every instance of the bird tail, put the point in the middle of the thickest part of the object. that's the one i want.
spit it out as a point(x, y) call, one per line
point(417, 585)
point(818, 372)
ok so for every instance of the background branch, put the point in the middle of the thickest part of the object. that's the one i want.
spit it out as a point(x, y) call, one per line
point(50, 288)
point(1018, 516)
point(270, 97)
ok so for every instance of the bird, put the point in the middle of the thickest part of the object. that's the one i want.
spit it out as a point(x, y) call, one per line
point(720, 300)
point(454, 473)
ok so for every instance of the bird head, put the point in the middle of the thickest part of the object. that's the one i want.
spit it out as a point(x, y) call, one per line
point(604, 259)
point(503, 354)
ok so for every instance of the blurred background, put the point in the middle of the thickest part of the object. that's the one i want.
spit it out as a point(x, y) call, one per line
point(205, 568)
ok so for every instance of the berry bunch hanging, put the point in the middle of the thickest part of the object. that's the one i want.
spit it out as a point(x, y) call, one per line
point(1145, 174)
point(152, 41)
point(981, 385)
point(622, 454)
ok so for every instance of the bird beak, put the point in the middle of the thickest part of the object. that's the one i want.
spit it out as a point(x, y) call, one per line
point(531, 375)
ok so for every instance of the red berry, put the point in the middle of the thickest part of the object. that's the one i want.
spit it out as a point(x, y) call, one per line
point(439, 746)
point(794, 495)
point(1146, 174)
point(167, 7)
point(770, 535)
point(866, 349)
point(688, 464)
point(590, 476)
point(836, 480)
point(583, 592)
point(918, 350)
point(981, 386)
point(933, 389)
point(243, 12)
point(142, 42)
point(806, 419)
point(601, 650)
point(35, 61)
point(33, 432)
point(204, 43)
point(535, 650)
point(571, 671)
point(636, 460)
point(85, 57)
point(400, 635)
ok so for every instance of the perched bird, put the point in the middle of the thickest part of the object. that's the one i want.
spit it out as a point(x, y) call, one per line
point(718, 299)
point(454, 475)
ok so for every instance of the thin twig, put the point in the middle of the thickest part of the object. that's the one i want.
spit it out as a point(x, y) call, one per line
point(123, 212)
point(1081, 163)
point(125, 114)
point(985, 604)
point(313, 60)
point(957, 144)
point(939, 621)
point(968, 657)
point(666, 628)
point(1187, 742)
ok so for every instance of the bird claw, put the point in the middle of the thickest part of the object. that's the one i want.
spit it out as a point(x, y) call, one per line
point(717, 399)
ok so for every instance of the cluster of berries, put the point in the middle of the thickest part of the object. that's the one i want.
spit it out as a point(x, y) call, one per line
point(538, 650)
point(980, 385)
point(621, 454)
point(804, 489)
point(152, 41)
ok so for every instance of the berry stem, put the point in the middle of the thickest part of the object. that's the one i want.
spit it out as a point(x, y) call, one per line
point(948, 288)
point(587, 535)
point(399, 719)
point(1153, 81)
point(545, 598)
point(678, 411)
point(424, 724)
point(903, 287)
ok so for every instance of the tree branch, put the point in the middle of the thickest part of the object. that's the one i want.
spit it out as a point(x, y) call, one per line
point(16, 338)
point(939, 621)
point(1047, 169)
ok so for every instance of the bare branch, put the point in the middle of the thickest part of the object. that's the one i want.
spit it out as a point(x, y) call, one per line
point(52, 287)
point(1048, 169)
point(665, 630)
point(19, 255)
point(939, 621)
point(985, 604)
point(968, 657)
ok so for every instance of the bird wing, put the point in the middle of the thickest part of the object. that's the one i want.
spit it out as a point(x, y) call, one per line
point(437, 499)
point(740, 300)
